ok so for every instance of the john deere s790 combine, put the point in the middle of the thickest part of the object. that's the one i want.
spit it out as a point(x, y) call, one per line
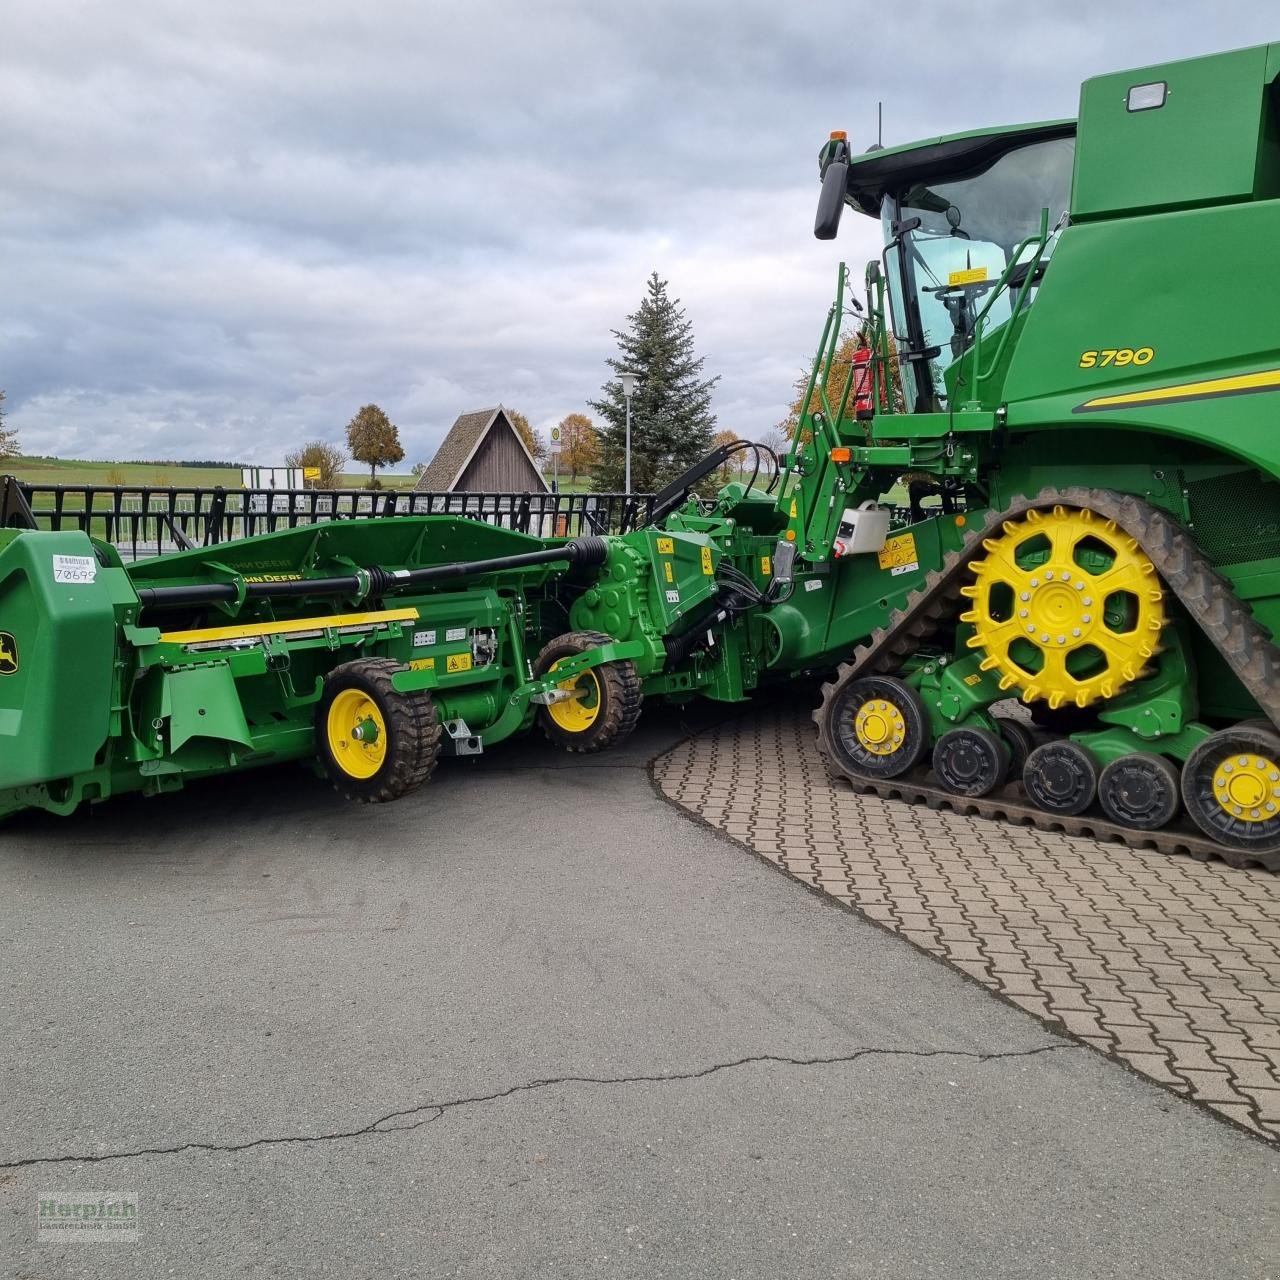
point(1072, 373)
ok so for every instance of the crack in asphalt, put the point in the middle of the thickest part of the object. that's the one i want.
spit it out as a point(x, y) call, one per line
point(428, 1112)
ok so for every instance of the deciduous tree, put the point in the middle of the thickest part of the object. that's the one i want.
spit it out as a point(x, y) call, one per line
point(532, 440)
point(671, 419)
point(374, 440)
point(9, 447)
point(320, 456)
point(579, 445)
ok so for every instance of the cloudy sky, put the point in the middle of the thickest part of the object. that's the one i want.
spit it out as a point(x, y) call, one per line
point(225, 226)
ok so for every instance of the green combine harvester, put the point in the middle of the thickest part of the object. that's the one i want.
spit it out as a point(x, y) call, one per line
point(1072, 367)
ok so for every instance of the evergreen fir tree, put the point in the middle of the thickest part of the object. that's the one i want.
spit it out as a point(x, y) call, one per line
point(671, 420)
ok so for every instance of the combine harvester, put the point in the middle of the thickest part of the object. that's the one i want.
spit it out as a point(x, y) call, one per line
point(1074, 368)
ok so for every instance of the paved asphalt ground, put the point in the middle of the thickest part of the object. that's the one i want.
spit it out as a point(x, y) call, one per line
point(533, 1021)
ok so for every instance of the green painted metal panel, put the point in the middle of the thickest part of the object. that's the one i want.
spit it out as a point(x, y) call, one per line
point(1201, 146)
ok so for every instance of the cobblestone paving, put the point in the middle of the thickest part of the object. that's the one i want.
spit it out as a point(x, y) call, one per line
point(1169, 964)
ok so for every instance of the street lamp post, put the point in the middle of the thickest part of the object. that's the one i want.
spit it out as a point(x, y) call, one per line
point(628, 380)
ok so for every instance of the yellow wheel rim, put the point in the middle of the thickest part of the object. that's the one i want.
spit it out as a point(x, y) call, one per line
point(357, 734)
point(581, 709)
point(1066, 607)
point(1247, 787)
point(880, 727)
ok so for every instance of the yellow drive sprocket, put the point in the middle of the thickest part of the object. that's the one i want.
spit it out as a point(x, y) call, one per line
point(1066, 607)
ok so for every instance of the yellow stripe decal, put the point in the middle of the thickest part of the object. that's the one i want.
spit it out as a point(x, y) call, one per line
point(252, 629)
point(1243, 384)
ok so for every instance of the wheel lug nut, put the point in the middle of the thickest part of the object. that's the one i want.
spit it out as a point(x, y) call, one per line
point(1075, 631)
point(1079, 586)
point(1026, 595)
point(1022, 613)
point(1086, 618)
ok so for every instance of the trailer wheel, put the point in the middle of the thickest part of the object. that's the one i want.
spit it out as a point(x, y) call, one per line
point(376, 744)
point(604, 702)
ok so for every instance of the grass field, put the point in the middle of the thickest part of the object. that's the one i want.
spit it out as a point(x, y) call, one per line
point(77, 472)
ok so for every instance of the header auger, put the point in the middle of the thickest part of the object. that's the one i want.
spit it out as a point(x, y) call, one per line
point(1036, 538)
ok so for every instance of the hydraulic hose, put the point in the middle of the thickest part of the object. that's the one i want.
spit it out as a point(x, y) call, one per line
point(374, 581)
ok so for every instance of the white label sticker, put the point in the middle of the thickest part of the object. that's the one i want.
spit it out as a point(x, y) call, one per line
point(75, 569)
point(812, 584)
point(899, 569)
point(673, 597)
point(423, 639)
point(455, 633)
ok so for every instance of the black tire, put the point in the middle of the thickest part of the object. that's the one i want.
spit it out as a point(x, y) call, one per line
point(1061, 777)
point(909, 727)
point(971, 761)
point(1021, 740)
point(1140, 791)
point(1211, 808)
point(411, 743)
point(611, 691)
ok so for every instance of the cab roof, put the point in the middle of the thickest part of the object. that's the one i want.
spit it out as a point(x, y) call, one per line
point(873, 174)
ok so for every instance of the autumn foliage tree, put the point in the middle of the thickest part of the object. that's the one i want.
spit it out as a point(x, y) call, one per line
point(374, 440)
point(532, 441)
point(317, 455)
point(579, 445)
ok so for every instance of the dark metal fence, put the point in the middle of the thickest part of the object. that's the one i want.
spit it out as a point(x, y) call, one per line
point(146, 521)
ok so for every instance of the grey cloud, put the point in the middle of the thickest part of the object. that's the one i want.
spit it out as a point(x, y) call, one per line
point(224, 227)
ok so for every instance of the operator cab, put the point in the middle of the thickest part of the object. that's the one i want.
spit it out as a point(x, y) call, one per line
point(956, 213)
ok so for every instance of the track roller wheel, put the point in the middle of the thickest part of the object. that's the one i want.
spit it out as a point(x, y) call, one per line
point(1140, 791)
point(1061, 777)
point(1231, 786)
point(877, 726)
point(375, 744)
point(1021, 740)
point(603, 705)
point(971, 762)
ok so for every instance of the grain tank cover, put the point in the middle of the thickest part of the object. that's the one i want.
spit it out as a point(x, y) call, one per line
point(1203, 131)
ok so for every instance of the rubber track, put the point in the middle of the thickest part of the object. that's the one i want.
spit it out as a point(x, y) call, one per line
point(1243, 642)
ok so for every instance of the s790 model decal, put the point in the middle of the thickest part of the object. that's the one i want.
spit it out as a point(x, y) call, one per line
point(1103, 356)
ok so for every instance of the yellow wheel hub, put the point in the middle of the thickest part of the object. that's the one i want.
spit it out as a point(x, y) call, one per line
point(879, 727)
point(1248, 787)
point(581, 709)
point(1065, 607)
point(357, 733)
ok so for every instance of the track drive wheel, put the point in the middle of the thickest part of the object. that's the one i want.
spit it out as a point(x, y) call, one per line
point(375, 744)
point(1140, 791)
point(603, 705)
point(1231, 786)
point(971, 762)
point(1061, 777)
point(875, 726)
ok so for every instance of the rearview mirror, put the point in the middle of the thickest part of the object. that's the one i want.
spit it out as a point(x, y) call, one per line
point(831, 201)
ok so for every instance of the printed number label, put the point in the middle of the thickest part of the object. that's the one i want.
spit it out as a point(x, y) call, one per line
point(458, 662)
point(673, 597)
point(75, 569)
point(813, 584)
point(455, 633)
point(1119, 356)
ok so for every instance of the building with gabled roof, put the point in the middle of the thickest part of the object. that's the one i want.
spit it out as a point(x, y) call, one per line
point(483, 453)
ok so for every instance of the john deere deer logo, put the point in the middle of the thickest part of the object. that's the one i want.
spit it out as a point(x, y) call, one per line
point(8, 654)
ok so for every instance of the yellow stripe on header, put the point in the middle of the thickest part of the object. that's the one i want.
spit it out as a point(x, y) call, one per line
point(1241, 385)
point(249, 630)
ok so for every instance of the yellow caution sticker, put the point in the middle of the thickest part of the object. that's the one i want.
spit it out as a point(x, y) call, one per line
point(794, 509)
point(976, 678)
point(666, 568)
point(973, 275)
point(766, 566)
point(666, 546)
point(899, 554)
point(422, 664)
point(707, 567)
point(458, 662)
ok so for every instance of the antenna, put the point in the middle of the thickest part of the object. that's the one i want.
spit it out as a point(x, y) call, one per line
point(879, 124)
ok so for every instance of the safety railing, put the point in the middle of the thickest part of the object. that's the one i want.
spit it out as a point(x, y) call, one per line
point(145, 521)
